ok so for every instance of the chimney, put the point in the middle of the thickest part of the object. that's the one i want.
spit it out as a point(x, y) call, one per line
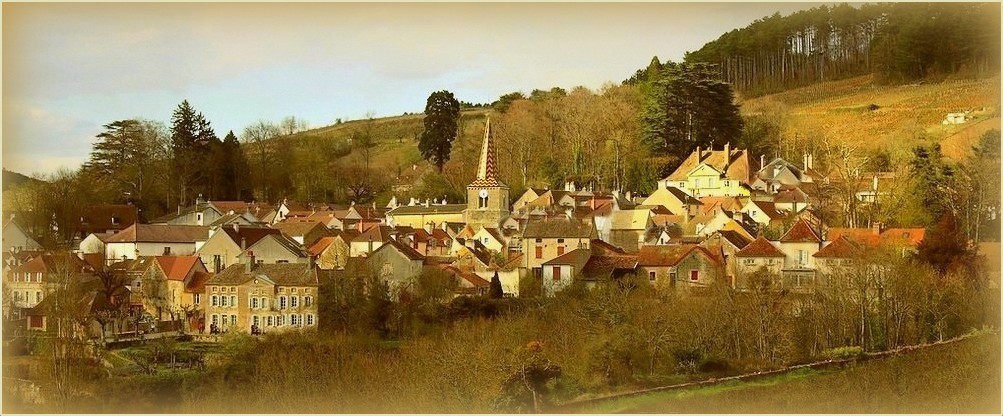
point(762, 161)
point(737, 216)
point(804, 161)
point(811, 161)
point(429, 226)
point(313, 261)
point(360, 226)
point(727, 150)
point(249, 261)
point(628, 196)
point(699, 154)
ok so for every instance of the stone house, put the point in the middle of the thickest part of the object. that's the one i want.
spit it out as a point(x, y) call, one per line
point(270, 297)
point(680, 266)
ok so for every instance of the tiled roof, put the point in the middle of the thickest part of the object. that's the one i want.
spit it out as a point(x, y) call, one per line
point(99, 217)
point(839, 248)
point(283, 274)
point(602, 248)
point(790, 196)
point(760, 247)
point(404, 249)
point(197, 284)
point(430, 209)
point(770, 209)
point(558, 228)
point(576, 257)
point(177, 267)
point(737, 165)
point(631, 219)
point(250, 235)
point(467, 275)
point(735, 238)
point(146, 233)
point(669, 255)
point(801, 232)
point(322, 244)
point(52, 263)
point(300, 229)
point(487, 165)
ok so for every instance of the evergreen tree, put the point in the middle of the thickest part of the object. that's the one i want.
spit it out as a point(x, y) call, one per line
point(496, 291)
point(442, 113)
point(191, 138)
point(689, 106)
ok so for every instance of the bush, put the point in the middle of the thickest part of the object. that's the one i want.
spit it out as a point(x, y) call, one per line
point(843, 353)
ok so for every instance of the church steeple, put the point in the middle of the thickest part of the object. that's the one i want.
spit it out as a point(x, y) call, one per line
point(486, 173)
point(487, 197)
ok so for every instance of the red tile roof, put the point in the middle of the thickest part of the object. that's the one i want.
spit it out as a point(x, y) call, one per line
point(839, 248)
point(147, 233)
point(761, 247)
point(801, 232)
point(322, 244)
point(177, 267)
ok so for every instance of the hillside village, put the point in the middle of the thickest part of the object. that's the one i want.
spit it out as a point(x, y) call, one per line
point(221, 266)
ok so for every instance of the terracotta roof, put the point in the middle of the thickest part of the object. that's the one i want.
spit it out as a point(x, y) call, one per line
point(726, 203)
point(839, 248)
point(322, 244)
point(909, 236)
point(146, 233)
point(669, 255)
point(770, 209)
point(801, 232)
point(95, 260)
point(735, 238)
point(902, 236)
point(609, 266)
point(197, 284)
point(602, 248)
point(177, 267)
point(300, 229)
point(576, 258)
point(760, 247)
point(52, 262)
point(283, 274)
point(737, 165)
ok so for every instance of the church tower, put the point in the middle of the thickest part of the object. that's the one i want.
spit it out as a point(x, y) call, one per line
point(487, 197)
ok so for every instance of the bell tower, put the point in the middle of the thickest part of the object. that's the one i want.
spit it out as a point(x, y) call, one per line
point(487, 197)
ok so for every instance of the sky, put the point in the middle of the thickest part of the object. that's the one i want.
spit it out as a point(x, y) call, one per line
point(69, 69)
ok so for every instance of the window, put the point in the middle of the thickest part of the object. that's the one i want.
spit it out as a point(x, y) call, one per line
point(292, 319)
point(233, 301)
point(38, 277)
point(114, 220)
point(254, 303)
point(560, 241)
point(557, 273)
point(560, 250)
point(281, 261)
point(307, 301)
point(215, 289)
point(197, 298)
point(802, 257)
point(254, 320)
point(233, 288)
point(539, 252)
point(222, 301)
point(307, 290)
point(694, 275)
point(282, 290)
point(651, 276)
point(213, 301)
point(672, 276)
point(748, 262)
point(294, 301)
point(309, 320)
point(233, 319)
point(167, 251)
point(539, 240)
point(225, 320)
point(215, 319)
point(282, 302)
point(17, 296)
point(279, 320)
point(270, 321)
point(38, 296)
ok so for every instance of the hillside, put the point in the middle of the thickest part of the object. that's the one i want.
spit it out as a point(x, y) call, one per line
point(904, 115)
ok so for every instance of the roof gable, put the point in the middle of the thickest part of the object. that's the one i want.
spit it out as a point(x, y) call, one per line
point(801, 232)
point(760, 247)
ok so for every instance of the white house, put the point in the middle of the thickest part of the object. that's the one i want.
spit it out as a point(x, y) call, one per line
point(155, 240)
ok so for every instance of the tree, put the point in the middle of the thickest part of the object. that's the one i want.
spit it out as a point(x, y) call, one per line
point(689, 106)
point(292, 125)
point(258, 136)
point(191, 138)
point(505, 101)
point(496, 287)
point(442, 114)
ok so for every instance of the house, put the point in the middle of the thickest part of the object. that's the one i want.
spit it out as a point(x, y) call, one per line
point(675, 200)
point(760, 253)
point(227, 243)
point(487, 197)
point(266, 297)
point(561, 271)
point(780, 174)
point(94, 243)
point(164, 288)
point(155, 240)
point(432, 241)
point(872, 186)
point(98, 219)
point(837, 256)
point(16, 237)
point(468, 283)
point(199, 214)
point(245, 219)
point(29, 282)
point(531, 194)
point(304, 233)
point(396, 263)
point(792, 200)
point(491, 238)
point(332, 252)
point(629, 227)
point(764, 213)
point(549, 238)
point(799, 246)
point(680, 266)
point(955, 118)
point(370, 240)
point(729, 242)
point(725, 221)
point(427, 215)
point(711, 172)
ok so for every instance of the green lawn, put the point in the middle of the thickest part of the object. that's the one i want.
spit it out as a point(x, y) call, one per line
point(962, 377)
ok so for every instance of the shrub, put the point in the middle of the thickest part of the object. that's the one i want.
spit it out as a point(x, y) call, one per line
point(843, 353)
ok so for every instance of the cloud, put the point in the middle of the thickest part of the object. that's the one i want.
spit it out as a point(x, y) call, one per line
point(37, 140)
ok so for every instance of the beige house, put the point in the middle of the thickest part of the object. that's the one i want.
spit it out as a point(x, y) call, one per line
point(628, 228)
point(760, 253)
point(269, 297)
point(165, 287)
point(561, 272)
point(799, 246)
point(29, 282)
point(155, 240)
point(15, 237)
point(711, 172)
point(428, 215)
point(332, 252)
point(226, 244)
point(304, 233)
point(396, 263)
point(549, 238)
point(675, 200)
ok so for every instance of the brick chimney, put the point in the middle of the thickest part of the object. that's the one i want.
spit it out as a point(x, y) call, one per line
point(249, 261)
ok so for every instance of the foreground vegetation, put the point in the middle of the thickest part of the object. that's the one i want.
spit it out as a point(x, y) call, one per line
point(961, 377)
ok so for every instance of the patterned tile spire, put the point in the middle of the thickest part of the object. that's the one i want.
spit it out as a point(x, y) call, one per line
point(486, 170)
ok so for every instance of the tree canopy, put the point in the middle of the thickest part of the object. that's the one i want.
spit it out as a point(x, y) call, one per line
point(442, 112)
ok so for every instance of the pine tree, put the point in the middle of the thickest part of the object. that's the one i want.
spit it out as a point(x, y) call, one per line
point(442, 113)
point(496, 291)
point(191, 140)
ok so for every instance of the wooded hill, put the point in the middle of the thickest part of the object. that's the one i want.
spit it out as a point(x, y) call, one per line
point(897, 42)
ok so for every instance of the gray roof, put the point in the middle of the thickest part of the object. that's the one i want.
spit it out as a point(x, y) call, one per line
point(558, 228)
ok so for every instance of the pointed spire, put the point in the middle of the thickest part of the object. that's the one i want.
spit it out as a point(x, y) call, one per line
point(486, 167)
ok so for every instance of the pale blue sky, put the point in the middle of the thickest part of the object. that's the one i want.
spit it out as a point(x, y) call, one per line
point(70, 68)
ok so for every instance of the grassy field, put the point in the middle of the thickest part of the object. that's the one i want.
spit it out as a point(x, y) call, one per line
point(905, 115)
point(962, 377)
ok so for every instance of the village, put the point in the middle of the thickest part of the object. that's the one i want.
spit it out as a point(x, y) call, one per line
point(232, 266)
